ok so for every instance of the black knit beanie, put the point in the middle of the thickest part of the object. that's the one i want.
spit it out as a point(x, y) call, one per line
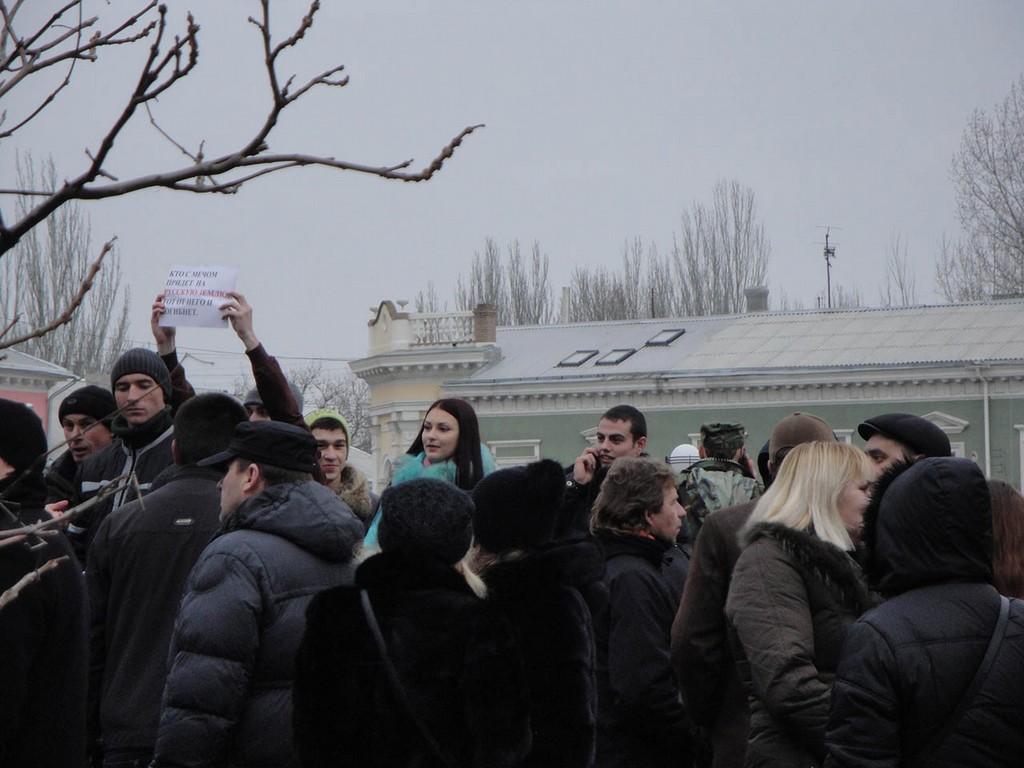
point(426, 518)
point(22, 439)
point(91, 401)
point(516, 508)
point(146, 362)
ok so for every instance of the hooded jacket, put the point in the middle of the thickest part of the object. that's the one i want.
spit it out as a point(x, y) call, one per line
point(907, 664)
point(791, 600)
point(228, 698)
point(545, 595)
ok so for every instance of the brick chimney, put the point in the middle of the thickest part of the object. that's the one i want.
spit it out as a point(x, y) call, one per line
point(485, 323)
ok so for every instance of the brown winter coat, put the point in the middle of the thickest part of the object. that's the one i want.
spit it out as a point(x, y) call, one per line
point(791, 601)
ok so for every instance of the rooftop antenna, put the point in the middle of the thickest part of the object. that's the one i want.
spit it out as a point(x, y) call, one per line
point(829, 253)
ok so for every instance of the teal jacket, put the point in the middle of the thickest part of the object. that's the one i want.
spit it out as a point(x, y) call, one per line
point(409, 467)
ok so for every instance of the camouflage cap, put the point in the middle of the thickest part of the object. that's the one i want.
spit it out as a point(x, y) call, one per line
point(722, 438)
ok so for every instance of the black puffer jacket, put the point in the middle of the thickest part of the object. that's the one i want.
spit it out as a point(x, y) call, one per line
point(907, 664)
point(545, 596)
point(791, 600)
point(228, 698)
point(641, 718)
point(456, 657)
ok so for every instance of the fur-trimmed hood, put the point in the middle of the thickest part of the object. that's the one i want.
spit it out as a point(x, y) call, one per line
point(355, 491)
point(819, 559)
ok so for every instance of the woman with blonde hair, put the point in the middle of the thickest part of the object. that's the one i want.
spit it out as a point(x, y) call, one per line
point(795, 591)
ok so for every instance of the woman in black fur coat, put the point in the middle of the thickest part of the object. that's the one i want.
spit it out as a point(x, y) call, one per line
point(454, 653)
point(543, 587)
point(795, 591)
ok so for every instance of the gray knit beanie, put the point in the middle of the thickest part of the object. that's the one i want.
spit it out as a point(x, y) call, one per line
point(426, 518)
point(146, 362)
point(253, 397)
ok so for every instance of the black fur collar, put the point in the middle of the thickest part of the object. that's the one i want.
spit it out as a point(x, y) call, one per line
point(572, 564)
point(820, 560)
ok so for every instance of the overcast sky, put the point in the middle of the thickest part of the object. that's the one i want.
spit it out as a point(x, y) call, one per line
point(604, 121)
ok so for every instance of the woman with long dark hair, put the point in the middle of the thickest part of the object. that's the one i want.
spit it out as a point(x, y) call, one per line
point(447, 447)
point(1007, 538)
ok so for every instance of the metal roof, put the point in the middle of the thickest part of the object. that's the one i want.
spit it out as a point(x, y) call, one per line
point(14, 363)
point(947, 334)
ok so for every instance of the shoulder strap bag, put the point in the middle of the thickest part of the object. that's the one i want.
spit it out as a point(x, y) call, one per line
point(953, 720)
point(399, 689)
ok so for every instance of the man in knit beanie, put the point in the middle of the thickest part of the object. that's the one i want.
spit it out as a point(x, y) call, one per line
point(143, 424)
point(85, 417)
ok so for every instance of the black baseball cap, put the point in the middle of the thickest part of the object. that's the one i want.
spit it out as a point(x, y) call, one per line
point(269, 442)
point(919, 435)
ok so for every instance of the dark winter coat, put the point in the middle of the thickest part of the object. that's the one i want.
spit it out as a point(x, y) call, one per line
point(577, 504)
point(456, 657)
point(139, 563)
point(907, 664)
point(43, 647)
point(228, 699)
point(641, 718)
point(701, 656)
point(145, 459)
point(60, 478)
point(545, 596)
point(791, 600)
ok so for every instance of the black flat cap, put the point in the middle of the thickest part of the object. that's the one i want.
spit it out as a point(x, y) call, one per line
point(269, 442)
point(918, 434)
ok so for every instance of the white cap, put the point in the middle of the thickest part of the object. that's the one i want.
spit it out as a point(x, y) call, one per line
point(683, 456)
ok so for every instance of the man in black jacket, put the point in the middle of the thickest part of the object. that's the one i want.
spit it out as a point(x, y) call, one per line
point(139, 561)
point(85, 417)
point(284, 538)
point(43, 640)
point(142, 390)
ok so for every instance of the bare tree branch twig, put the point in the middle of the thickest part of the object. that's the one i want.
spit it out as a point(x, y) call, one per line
point(10, 595)
point(67, 314)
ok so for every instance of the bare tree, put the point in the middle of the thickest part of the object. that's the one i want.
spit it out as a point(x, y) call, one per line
point(965, 269)
point(723, 250)
point(345, 393)
point(66, 39)
point(988, 171)
point(518, 289)
point(42, 274)
point(428, 301)
point(900, 284)
point(846, 297)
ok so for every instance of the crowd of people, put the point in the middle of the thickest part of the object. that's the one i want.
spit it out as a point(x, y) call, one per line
point(200, 581)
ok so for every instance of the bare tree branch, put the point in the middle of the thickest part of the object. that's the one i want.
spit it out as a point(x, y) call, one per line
point(66, 315)
point(164, 67)
point(10, 595)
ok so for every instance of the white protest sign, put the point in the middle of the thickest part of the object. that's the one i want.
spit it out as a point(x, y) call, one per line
point(193, 295)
